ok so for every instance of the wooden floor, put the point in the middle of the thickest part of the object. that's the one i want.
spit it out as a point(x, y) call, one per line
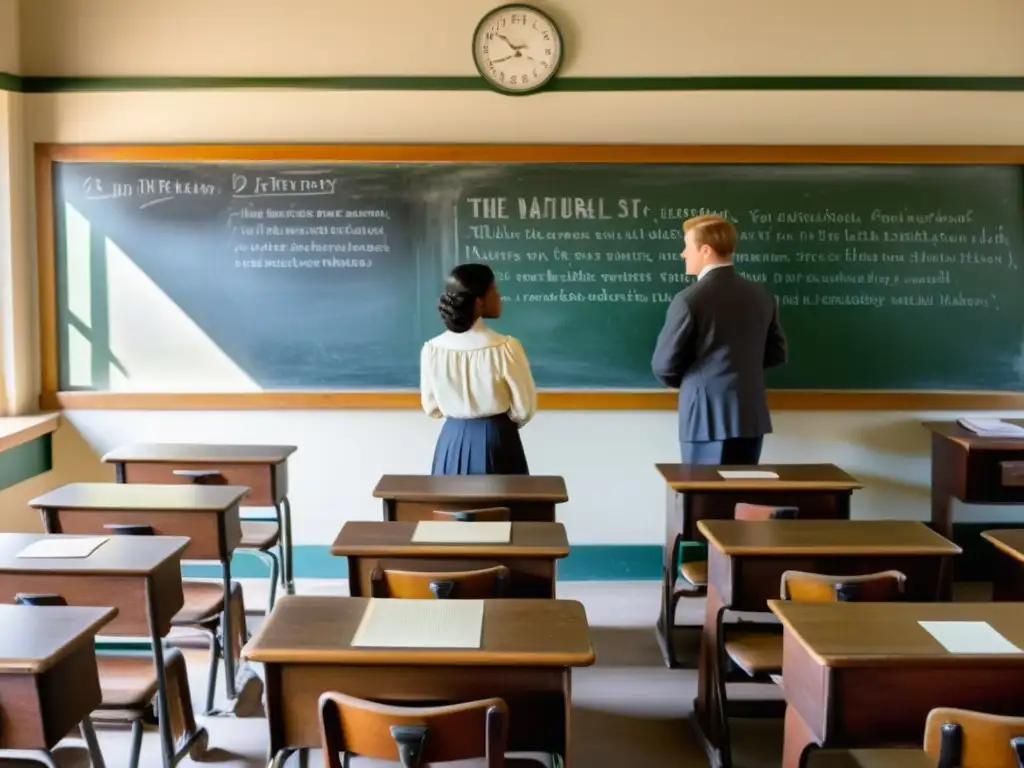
point(627, 706)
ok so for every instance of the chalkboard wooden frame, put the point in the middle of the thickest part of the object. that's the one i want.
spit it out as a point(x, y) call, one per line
point(804, 400)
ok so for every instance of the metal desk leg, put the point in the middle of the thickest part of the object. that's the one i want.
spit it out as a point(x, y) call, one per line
point(284, 518)
point(227, 636)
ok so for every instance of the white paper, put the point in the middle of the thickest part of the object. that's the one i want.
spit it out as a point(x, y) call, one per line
point(748, 474)
point(63, 546)
point(969, 637)
point(991, 427)
point(393, 623)
point(455, 532)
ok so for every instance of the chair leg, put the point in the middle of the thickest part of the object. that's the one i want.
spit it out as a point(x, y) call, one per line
point(721, 669)
point(92, 743)
point(211, 678)
point(135, 752)
point(275, 574)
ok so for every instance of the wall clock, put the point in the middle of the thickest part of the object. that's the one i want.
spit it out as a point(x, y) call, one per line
point(517, 49)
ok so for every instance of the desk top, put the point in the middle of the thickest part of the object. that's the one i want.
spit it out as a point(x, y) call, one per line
point(1007, 540)
point(472, 488)
point(957, 434)
point(522, 632)
point(792, 477)
point(877, 758)
point(200, 453)
point(141, 497)
point(394, 539)
point(888, 634)
point(36, 637)
point(119, 556)
point(840, 537)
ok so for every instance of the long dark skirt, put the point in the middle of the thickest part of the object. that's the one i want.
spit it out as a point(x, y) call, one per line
point(486, 446)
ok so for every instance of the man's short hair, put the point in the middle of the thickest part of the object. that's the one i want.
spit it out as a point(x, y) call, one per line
point(713, 231)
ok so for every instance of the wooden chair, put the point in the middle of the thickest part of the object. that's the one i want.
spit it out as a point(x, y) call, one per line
point(128, 684)
point(486, 514)
point(953, 738)
point(443, 585)
point(758, 654)
point(693, 575)
point(960, 738)
point(417, 736)
point(259, 537)
point(203, 610)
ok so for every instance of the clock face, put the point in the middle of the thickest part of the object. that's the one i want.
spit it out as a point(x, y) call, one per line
point(517, 49)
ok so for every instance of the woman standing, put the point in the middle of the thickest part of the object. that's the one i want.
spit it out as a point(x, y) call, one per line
point(477, 380)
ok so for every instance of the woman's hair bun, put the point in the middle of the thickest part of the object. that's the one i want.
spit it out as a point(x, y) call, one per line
point(457, 305)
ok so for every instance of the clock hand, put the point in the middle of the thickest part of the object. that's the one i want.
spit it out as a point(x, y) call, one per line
point(498, 61)
point(510, 45)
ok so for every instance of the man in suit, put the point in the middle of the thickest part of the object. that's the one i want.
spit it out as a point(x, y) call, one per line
point(720, 334)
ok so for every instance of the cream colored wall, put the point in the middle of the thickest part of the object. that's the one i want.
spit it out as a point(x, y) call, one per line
point(616, 495)
point(10, 39)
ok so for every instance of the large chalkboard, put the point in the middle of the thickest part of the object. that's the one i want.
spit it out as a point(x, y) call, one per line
point(302, 276)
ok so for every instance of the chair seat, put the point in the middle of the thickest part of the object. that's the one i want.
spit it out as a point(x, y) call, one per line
point(71, 755)
point(127, 682)
point(259, 534)
point(755, 654)
point(204, 600)
point(872, 758)
point(695, 572)
point(512, 760)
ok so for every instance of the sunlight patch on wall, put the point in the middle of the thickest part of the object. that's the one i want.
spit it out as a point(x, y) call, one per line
point(155, 346)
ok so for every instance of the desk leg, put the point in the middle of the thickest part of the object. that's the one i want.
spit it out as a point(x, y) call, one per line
point(284, 519)
point(163, 709)
point(705, 706)
point(227, 639)
point(798, 741)
point(92, 743)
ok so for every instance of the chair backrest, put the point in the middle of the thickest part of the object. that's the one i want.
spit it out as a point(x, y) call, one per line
point(822, 588)
point(756, 512)
point(960, 738)
point(413, 736)
point(483, 515)
point(443, 585)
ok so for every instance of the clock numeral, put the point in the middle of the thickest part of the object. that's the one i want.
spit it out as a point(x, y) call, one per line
point(544, 64)
point(502, 76)
point(490, 35)
point(535, 73)
point(547, 35)
point(486, 49)
point(547, 51)
point(513, 79)
point(525, 79)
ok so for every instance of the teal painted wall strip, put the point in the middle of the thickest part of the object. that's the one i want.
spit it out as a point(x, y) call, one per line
point(593, 562)
point(25, 461)
point(34, 84)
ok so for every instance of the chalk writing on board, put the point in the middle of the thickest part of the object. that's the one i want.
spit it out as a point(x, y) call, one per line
point(295, 183)
point(148, 192)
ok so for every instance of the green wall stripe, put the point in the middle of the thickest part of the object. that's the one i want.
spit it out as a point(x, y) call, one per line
point(586, 562)
point(35, 84)
point(25, 461)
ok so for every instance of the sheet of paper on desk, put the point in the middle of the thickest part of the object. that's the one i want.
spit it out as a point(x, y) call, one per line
point(389, 623)
point(63, 546)
point(991, 427)
point(969, 637)
point(455, 532)
point(747, 474)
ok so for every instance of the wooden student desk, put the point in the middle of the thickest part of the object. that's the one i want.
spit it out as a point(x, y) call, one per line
point(867, 674)
point(975, 470)
point(528, 649)
point(746, 561)
point(696, 492)
point(415, 497)
point(207, 515)
point(1008, 581)
point(49, 681)
point(263, 469)
point(138, 575)
point(530, 554)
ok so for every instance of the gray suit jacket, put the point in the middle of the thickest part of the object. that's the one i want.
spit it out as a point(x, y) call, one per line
point(720, 334)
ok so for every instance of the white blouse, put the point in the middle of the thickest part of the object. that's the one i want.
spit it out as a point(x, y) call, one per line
point(476, 374)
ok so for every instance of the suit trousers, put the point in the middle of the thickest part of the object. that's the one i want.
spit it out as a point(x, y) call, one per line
point(733, 450)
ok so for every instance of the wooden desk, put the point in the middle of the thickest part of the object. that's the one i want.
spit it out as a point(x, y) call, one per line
point(139, 576)
point(528, 649)
point(746, 561)
point(1008, 573)
point(207, 515)
point(49, 681)
point(696, 492)
point(867, 674)
point(530, 555)
point(415, 497)
point(263, 469)
point(975, 470)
